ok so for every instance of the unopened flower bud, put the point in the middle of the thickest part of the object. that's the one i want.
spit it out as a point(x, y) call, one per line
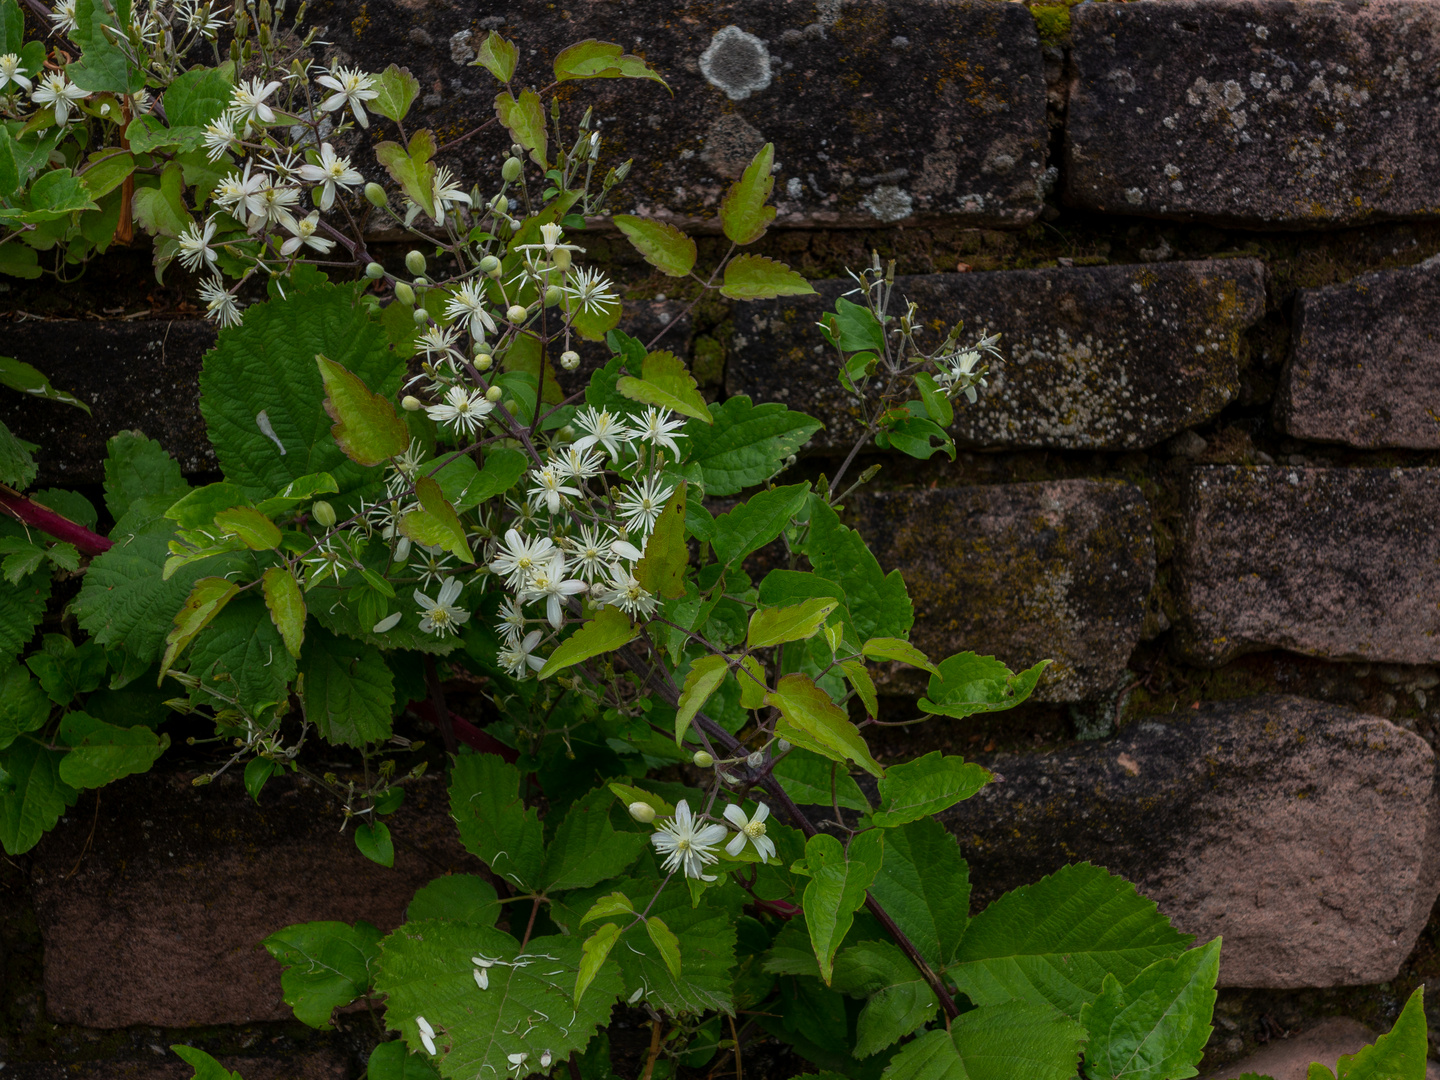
point(324, 513)
point(702, 759)
point(374, 271)
point(415, 262)
point(517, 313)
point(375, 195)
point(493, 394)
point(422, 317)
point(516, 150)
point(404, 293)
point(782, 745)
point(411, 403)
point(567, 434)
point(553, 295)
point(569, 360)
point(483, 361)
point(560, 257)
point(755, 760)
point(511, 169)
point(641, 812)
point(490, 265)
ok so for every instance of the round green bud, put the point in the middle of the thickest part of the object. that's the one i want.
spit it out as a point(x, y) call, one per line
point(493, 394)
point(702, 759)
point(500, 204)
point(511, 169)
point(415, 262)
point(567, 434)
point(483, 361)
point(553, 295)
point(517, 313)
point(324, 513)
point(516, 150)
point(560, 257)
point(641, 812)
point(490, 265)
point(422, 317)
point(411, 403)
point(374, 271)
point(404, 293)
point(420, 281)
point(569, 360)
point(375, 195)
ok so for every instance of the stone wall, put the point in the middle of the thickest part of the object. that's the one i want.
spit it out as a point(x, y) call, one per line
point(1205, 481)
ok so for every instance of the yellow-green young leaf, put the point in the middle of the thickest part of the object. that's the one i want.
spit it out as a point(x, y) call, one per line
point(161, 211)
point(662, 570)
point(706, 673)
point(411, 167)
point(863, 684)
point(608, 631)
point(208, 596)
point(743, 213)
point(759, 277)
point(440, 520)
point(601, 60)
point(752, 683)
point(662, 245)
point(366, 427)
point(524, 117)
point(287, 606)
point(809, 719)
point(771, 626)
point(398, 90)
point(665, 381)
point(628, 793)
point(257, 531)
point(106, 171)
point(497, 56)
point(666, 941)
point(891, 648)
point(596, 948)
point(613, 904)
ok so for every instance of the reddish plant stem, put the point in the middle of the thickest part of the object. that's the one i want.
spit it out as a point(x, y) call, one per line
point(28, 512)
point(437, 702)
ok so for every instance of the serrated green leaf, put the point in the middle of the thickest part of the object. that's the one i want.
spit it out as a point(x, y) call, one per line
point(967, 684)
point(391, 1061)
point(889, 648)
point(136, 468)
point(32, 795)
point(17, 464)
point(771, 626)
point(607, 631)
point(837, 886)
point(524, 118)
point(998, 1042)
point(662, 570)
point(807, 778)
point(327, 966)
point(207, 599)
point(614, 903)
point(257, 531)
point(103, 66)
point(1155, 1027)
point(706, 674)
point(661, 244)
point(747, 444)
point(666, 942)
point(601, 60)
point(1398, 1055)
point(495, 825)
point(367, 426)
point(21, 558)
point(1055, 941)
point(375, 844)
point(397, 90)
point(412, 168)
point(878, 602)
point(435, 522)
point(242, 656)
point(757, 521)
point(924, 885)
point(759, 277)
point(666, 381)
point(287, 606)
point(586, 848)
point(65, 670)
point(926, 786)
point(465, 898)
point(497, 56)
point(811, 720)
point(744, 217)
point(21, 376)
point(349, 692)
point(199, 96)
point(706, 933)
point(597, 947)
point(899, 998)
point(24, 705)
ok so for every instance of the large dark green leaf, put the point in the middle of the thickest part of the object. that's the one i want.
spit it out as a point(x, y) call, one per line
point(495, 825)
point(924, 885)
point(747, 444)
point(878, 602)
point(349, 692)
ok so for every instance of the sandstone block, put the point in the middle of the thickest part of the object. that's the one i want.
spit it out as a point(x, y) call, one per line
point(1290, 1059)
point(1254, 113)
point(1102, 358)
point(162, 922)
point(1304, 833)
point(1058, 570)
point(878, 112)
point(1365, 363)
point(1339, 563)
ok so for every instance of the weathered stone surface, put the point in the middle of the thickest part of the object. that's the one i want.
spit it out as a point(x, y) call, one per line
point(1110, 357)
point(1305, 833)
point(308, 1065)
point(1340, 563)
point(1026, 572)
point(1365, 362)
point(878, 111)
point(1289, 1059)
point(1255, 112)
point(163, 920)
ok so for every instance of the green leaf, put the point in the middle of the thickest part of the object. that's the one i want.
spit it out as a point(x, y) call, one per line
point(497, 56)
point(411, 167)
point(391, 1061)
point(375, 844)
point(161, 211)
point(1055, 941)
point(998, 1042)
point(586, 848)
point(206, 600)
point(398, 90)
point(21, 376)
point(747, 444)
point(494, 824)
point(706, 674)
point(17, 465)
point(435, 523)
point(287, 606)
point(24, 705)
point(744, 217)
point(889, 648)
point(458, 898)
point(527, 1008)
point(666, 942)
point(614, 903)
point(757, 521)
point(137, 468)
point(366, 427)
point(105, 172)
point(661, 244)
point(878, 602)
point(662, 570)
point(900, 999)
point(524, 118)
point(327, 966)
point(666, 382)
point(771, 626)
point(811, 720)
point(200, 96)
point(257, 531)
point(22, 607)
point(925, 786)
point(205, 1066)
point(969, 684)
point(241, 655)
point(759, 277)
point(103, 65)
point(197, 508)
point(751, 677)
point(257, 772)
point(1156, 1026)
point(807, 779)
point(838, 881)
point(601, 60)
point(32, 794)
point(607, 631)
point(597, 947)
point(12, 26)
point(853, 328)
point(64, 670)
point(924, 884)
point(349, 691)
point(1399, 1055)
point(101, 753)
point(503, 467)
point(860, 679)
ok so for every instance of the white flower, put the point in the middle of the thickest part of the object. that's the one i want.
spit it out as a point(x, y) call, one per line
point(685, 844)
point(247, 101)
point(200, 19)
point(515, 658)
point(519, 557)
point(285, 164)
point(195, 246)
point(469, 304)
point(334, 171)
point(657, 428)
point(427, 1033)
point(438, 339)
point(751, 828)
point(550, 241)
point(549, 583)
point(304, 231)
point(589, 291)
point(446, 193)
point(601, 427)
point(511, 626)
point(624, 591)
point(432, 566)
point(591, 552)
point(55, 89)
point(577, 464)
point(550, 488)
point(219, 137)
point(271, 206)
point(464, 410)
point(641, 505)
point(219, 304)
point(440, 616)
point(62, 16)
point(241, 194)
point(351, 86)
point(11, 71)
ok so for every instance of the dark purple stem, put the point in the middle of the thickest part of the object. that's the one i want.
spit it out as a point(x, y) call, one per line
point(31, 513)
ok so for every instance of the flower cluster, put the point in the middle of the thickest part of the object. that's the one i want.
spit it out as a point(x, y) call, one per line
point(689, 846)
